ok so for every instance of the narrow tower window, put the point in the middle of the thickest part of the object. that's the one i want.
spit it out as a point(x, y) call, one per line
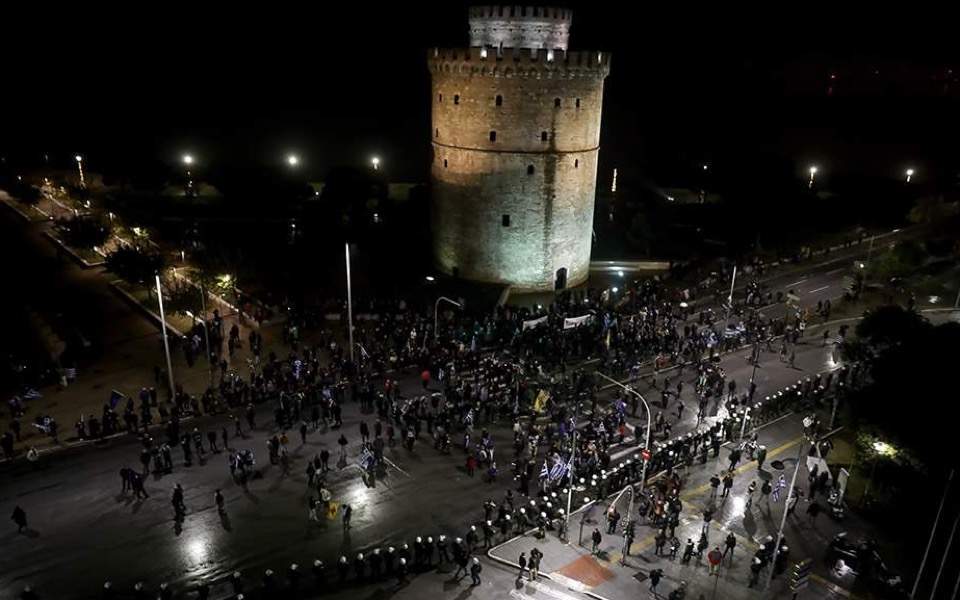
point(543, 136)
point(576, 164)
point(529, 169)
point(444, 163)
point(436, 133)
point(505, 220)
point(556, 102)
point(499, 100)
point(440, 98)
point(493, 136)
point(456, 98)
point(578, 102)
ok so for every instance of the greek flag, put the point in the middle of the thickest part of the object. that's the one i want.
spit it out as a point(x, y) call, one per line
point(781, 483)
point(544, 472)
point(365, 458)
point(559, 470)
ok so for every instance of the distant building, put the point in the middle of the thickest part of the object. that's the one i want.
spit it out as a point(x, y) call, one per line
point(516, 135)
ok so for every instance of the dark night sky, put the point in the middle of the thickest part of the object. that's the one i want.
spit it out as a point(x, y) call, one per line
point(239, 85)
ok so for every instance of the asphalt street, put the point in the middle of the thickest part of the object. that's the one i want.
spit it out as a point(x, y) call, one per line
point(84, 530)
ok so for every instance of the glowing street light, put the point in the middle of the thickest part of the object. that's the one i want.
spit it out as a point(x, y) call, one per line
point(83, 183)
point(375, 161)
point(188, 162)
point(706, 166)
point(813, 173)
point(293, 160)
point(909, 174)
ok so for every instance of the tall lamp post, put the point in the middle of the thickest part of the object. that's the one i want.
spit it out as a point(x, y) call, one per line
point(375, 163)
point(166, 344)
point(813, 173)
point(188, 161)
point(783, 519)
point(909, 174)
point(646, 446)
point(349, 300)
point(79, 159)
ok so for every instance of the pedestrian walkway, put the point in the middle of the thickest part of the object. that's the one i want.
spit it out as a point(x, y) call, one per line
point(607, 574)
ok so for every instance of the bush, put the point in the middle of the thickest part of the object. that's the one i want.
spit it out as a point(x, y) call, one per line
point(134, 264)
point(85, 232)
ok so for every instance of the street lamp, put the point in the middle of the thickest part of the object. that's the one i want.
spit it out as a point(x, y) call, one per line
point(375, 161)
point(813, 173)
point(188, 162)
point(910, 173)
point(293, 160)
point(79, 160)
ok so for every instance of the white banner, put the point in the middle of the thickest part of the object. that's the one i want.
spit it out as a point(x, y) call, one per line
point(572, 322)
point(534, 323)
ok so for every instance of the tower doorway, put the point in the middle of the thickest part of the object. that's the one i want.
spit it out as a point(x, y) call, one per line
point(561, 280)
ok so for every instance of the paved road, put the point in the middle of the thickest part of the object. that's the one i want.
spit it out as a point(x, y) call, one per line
point(86, 531)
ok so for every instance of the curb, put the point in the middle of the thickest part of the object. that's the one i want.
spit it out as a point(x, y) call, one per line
point(137, 304)
point(73, 254)
point(11, 204)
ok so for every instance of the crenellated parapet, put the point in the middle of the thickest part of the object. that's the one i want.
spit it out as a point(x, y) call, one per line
point(519, 62)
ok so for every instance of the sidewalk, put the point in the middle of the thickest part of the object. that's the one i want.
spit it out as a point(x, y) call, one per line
point(603, 576)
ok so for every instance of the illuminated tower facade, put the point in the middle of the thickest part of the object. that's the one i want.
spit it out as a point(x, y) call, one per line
point(516, 137)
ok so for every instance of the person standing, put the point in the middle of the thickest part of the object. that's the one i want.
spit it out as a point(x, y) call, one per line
point(727, 484)
point(19, 517)
point(730, 544)
point(714, 557)
point(597, 538)
point(522, 561)
point(347, 514)
point(535, 557)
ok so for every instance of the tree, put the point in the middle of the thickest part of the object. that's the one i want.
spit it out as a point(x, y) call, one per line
point(902, 260)
point(932, 210)
point(910, 364)
point(134, 264)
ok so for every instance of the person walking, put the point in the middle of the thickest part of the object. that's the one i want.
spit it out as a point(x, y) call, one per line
point(750, 491)
point(765, 490)
point(179, 508)
point(218, 498)
point(342, 442)
point(655, 576)
point(597, 538)
point(475, 570)
point(347, 514)
point(813, 511)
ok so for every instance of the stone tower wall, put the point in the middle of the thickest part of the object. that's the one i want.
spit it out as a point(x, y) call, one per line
point(515, 208)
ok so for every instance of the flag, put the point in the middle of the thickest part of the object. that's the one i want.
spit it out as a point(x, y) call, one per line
point(365, 458)
point(540, 403)
point(544, 472)
point(781, 483)
point(559, 470)
point(332, 510)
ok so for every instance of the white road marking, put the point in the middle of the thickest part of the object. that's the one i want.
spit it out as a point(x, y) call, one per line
point(790, 285)
point(819, 289)
point(835, 271)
